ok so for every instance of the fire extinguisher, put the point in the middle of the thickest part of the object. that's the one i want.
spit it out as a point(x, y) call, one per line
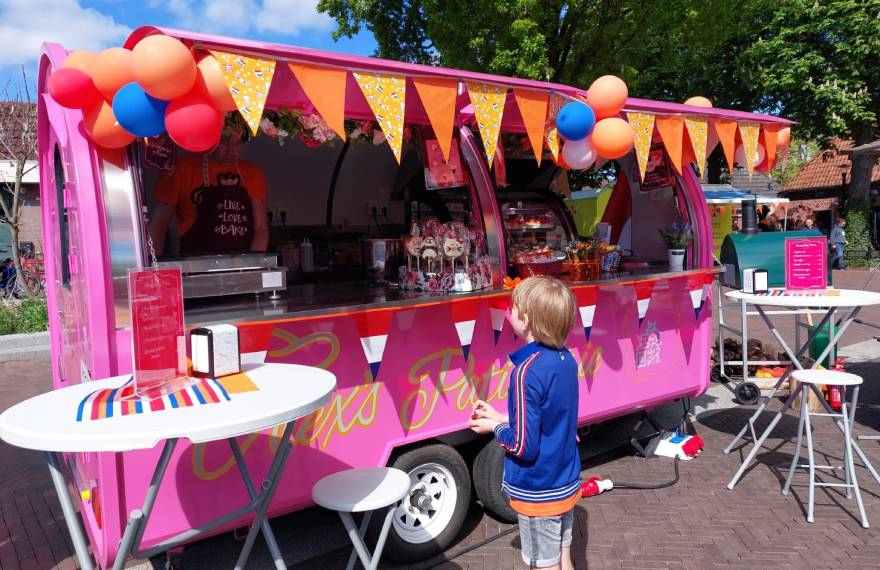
point(835, 395)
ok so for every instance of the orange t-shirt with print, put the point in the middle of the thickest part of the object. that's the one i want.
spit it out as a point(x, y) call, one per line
point(176, 189)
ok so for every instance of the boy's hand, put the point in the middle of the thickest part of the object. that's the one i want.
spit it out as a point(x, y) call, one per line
point(484, 410)
point(482, 425)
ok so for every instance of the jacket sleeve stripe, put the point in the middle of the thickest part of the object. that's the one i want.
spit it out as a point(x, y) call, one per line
point(519, 444)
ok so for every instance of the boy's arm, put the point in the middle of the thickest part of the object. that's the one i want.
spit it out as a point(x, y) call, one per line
point(520, 436)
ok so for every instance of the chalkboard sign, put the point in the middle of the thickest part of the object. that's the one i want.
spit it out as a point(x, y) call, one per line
point(159, 343)
point(806, 263)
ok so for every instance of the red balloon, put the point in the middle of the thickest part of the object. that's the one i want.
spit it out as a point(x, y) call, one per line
point(72, 88)
point(193, 122)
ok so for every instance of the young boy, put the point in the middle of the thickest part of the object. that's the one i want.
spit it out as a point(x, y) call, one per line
point(542, 468)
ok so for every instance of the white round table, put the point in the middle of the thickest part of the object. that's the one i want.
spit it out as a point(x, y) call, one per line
point(279, 394)
point(832, 300)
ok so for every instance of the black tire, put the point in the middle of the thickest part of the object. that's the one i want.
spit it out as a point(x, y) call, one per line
point(488, 473)
point(398, 548)
point(747, 393)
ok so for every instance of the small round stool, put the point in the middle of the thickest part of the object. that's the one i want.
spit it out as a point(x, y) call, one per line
point(363, 490)
point(808, 380)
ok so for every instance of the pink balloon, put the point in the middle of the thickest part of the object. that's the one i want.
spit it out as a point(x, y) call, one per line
point(740, 156)
point(579, 154)
point(73, 88)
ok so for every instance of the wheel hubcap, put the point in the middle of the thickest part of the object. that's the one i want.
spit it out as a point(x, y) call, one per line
point(428, 508)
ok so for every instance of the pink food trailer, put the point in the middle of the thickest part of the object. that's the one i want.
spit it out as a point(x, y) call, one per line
point(413, 337)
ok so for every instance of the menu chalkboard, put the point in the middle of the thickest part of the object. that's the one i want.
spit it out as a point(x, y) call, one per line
point(159, 343)
point(806, 263)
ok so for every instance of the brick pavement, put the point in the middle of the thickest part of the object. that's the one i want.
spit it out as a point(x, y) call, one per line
point(695, 524)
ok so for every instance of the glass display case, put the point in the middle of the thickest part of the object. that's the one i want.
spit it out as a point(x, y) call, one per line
point(536, 237)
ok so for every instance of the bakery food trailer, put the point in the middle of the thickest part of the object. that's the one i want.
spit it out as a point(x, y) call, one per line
point(388, 273)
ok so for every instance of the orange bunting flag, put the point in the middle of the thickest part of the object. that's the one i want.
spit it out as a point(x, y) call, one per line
point(672, 133)
point(533, 109)
point(698, 132)
point(248, 79)
point(438, 96)
point(768, 136)
point(726, 131)
point(386, 95)
point(749, 133)
point(643, 128)
point(488, 101)
point(325, 88)
point(551, 135)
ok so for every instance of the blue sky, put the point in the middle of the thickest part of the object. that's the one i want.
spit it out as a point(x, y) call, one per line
point(97, 24)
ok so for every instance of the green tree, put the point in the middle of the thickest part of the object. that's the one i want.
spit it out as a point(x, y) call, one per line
point(655, 46)
point(817, 62)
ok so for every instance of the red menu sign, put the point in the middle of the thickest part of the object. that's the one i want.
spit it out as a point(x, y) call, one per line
point(806, 263)
point(155, 297)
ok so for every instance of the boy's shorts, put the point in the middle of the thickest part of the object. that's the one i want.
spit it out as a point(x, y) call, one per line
point(543, 538)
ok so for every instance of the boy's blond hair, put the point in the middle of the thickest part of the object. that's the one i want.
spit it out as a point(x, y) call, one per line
point(550, 307)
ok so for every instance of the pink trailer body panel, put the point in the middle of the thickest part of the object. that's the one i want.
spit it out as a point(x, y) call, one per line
point(406, 372)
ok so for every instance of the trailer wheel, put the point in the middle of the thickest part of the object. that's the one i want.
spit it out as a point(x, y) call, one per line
point(488, 474)
point(747, 393)
point(431, 516)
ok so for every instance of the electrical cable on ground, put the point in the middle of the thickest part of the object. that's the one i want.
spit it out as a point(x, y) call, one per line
point(512, 529)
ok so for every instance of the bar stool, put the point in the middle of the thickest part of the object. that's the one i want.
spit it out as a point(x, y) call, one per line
point(808, 380)
point(363, 490)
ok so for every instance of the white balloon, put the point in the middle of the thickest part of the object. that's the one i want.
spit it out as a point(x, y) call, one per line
point(740, 157)
point(579, 155)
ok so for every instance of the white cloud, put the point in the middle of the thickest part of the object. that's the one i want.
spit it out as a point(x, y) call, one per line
point(283, 17)
point(26, 24)
point(291, 17)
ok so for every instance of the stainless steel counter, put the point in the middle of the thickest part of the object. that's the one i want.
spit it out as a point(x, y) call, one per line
point(330, 298)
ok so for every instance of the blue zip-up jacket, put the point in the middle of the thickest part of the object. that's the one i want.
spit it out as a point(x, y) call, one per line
point(542, 463)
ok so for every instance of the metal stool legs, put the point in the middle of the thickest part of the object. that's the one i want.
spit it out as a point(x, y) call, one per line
point(370, 562)
point(845, 419)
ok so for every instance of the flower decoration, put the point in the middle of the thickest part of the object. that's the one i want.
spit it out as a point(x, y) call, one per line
point(677, 236)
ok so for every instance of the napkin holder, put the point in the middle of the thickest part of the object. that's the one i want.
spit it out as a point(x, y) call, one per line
point(215, 351)
point(755, 281)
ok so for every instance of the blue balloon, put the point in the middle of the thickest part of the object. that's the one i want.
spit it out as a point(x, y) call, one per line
point(575, 121)
point(139, 113)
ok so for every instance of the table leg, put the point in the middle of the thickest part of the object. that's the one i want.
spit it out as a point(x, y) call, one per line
point(835, 338)
point(71, 517)
point(137, 520)
point(262, 502)
point(252, 493)
point(795, 361)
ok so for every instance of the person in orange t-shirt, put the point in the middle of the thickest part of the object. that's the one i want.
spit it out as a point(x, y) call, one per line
point(219, 203)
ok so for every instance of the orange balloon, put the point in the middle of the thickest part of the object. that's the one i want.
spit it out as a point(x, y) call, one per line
point(783, 137)
point(163, 66)
point(81, 60)
point(612, 138)
point(112, 70)
point(699, 101)
point(102, 128)
point(212, 79)
point(607, 95)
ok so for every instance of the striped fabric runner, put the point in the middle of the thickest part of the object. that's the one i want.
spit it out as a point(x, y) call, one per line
point(122, 401)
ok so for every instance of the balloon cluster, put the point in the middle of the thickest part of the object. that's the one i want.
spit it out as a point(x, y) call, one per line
point(158, 86)
point(592, 129)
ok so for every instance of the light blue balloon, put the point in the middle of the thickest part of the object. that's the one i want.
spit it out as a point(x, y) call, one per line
point(138, 112)
point(575, 121)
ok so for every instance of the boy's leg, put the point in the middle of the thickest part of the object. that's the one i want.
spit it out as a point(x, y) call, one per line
point(566, 562)
point(542, 541)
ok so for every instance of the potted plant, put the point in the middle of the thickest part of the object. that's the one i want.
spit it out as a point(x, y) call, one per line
point(677, 237)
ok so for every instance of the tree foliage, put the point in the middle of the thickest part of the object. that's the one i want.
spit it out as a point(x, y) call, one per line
point(815, 61)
